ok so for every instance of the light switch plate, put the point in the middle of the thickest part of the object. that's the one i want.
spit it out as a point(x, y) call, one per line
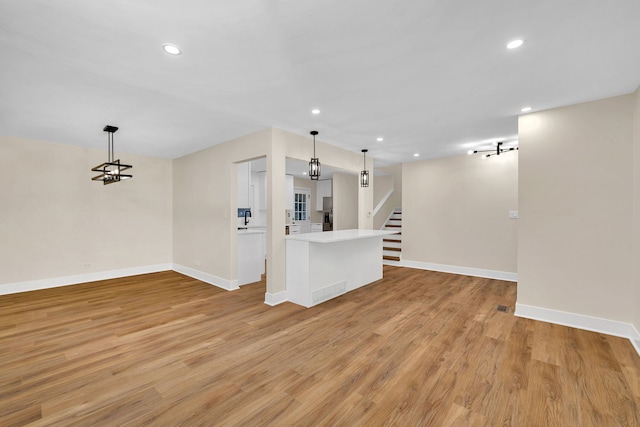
point(513, 214)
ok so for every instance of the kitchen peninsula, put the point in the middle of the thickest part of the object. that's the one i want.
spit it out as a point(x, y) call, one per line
point(321, 266)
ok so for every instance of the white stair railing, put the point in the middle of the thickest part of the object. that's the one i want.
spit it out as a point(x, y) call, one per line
point(382, 202)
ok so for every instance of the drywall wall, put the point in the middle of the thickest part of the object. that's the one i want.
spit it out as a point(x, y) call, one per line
point(384, 185)
point(575, 191)
point(204, 185)
point(636, 211)
point(56, 222)
point(205, 207)
point(345, 201)
point(455, 212)
point(392, 179)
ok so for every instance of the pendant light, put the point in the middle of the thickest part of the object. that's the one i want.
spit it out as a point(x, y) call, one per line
point(111, 170)
point(493, 151)
point(364, 175)
point(314, 164)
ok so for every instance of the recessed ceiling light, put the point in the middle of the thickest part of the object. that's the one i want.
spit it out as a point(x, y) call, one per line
point(315, 111)
point(514, 44)
point(380, 139)
point(526, 109)
point(171, 49)
point(416, 155)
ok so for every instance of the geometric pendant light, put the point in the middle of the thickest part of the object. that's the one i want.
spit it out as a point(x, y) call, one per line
point(364, 175)
point(314, 164)
point(111, 170)
point(493, 151)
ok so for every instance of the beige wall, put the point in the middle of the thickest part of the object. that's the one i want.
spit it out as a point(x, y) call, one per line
point(636, 210)
point(56, 222)
point(392, 180)
point(574, 240)
point(205, 204)
point(384, 184)
point(204, 228)
point(455, 212)
point(345, 201)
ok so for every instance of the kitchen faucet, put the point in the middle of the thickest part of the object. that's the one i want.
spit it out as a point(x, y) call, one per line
point(246, 221)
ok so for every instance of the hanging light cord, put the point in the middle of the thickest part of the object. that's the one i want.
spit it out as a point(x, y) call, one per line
point(110, 148)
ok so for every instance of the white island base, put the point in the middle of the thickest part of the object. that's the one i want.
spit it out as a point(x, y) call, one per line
point(321, 266)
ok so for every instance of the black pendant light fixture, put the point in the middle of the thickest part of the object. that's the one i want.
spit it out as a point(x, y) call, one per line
point(314, 164)
point(111, 170)
point(496, 151)
point(364, 175)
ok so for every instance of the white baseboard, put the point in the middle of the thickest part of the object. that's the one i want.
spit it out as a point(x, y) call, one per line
point(581, 321)
point(34, 285)
point(465, 271)
point(275, 299)
point(229, 285)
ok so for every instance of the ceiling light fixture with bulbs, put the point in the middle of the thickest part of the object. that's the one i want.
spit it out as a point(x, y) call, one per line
point(314, 164)
point(496, 151)
point(111, 170)
point(364, 175)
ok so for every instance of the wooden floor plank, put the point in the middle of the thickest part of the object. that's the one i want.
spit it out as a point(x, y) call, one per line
point(415, 348)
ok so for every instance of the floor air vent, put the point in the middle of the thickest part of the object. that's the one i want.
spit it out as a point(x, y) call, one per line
point(503, 308)
point(331, 291)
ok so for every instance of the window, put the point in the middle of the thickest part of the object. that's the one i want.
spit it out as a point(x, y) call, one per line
point(300, 206)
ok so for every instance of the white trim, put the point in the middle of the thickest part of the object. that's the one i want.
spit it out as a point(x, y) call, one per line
point(382, 202)
point(275, 299)
point(581, 321)
point(465, 271)
point(229, 285)
point(34, 285)
point(635, 340)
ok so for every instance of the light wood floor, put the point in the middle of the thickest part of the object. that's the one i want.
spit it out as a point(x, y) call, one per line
point(417, 348)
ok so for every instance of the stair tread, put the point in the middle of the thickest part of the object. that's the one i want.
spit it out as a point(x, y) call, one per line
point(392, 240)
point(391, 258)
point(388, 248)
point(393, 225)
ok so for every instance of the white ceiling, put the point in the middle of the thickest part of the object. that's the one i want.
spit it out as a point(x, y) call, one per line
point(432, 77)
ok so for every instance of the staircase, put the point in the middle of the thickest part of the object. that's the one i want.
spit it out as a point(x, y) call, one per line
point(392, 244)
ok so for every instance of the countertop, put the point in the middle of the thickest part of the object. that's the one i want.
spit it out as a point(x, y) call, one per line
point(252, 231)
point(338, 236)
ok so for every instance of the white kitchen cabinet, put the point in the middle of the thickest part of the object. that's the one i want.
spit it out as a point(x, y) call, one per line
point(261, 190)
point(294, 228)
point(288, 191)
point(316, 227)
point(323, 189)
point(321, 266)
point(244, 184)
point(250, 256)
